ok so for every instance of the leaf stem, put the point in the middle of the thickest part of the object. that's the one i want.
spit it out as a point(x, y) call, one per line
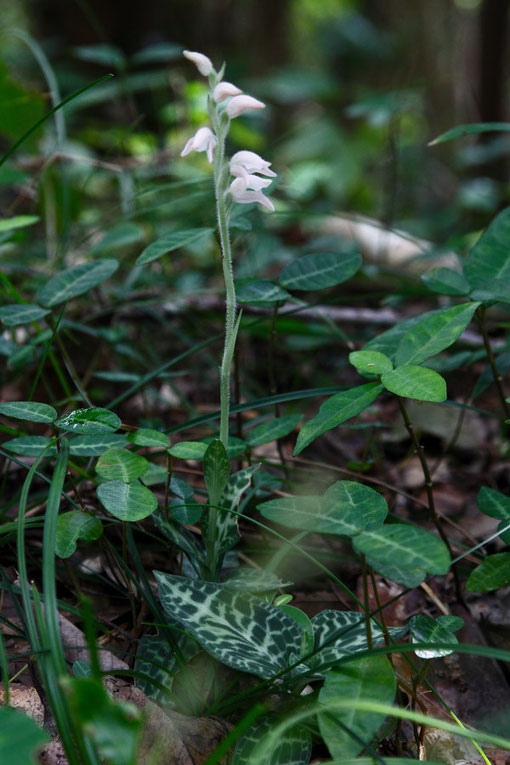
point(498, 379)
point(418, 450)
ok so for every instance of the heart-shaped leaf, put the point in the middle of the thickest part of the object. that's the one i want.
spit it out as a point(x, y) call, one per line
point(239, 629)
point(127, 501)
point(346, 508)
point(369, 678)
point(340, 633)
point(76, 281)
point(72, 526)
point(423, 629)
point(121, 465)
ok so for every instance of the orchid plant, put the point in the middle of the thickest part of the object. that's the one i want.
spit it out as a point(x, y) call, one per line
point(250, 175)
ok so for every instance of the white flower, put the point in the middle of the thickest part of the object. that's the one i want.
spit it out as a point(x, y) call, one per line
point(241, 193)
point(240, 104)
point(244, 163)
point(203, 140)
point(255, 182)
point(224, 90)
point(202, 63)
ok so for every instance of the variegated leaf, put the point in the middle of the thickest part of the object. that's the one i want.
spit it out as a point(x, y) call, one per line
point(293, 748)
point(239, 629)
point(156, 659)
point(338, 633)
point(180, 536)
point(226, 526)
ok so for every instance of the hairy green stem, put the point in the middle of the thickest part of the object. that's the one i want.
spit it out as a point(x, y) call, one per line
point(220, 190)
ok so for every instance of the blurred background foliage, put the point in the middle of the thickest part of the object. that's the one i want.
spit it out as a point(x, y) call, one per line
point(355, 91)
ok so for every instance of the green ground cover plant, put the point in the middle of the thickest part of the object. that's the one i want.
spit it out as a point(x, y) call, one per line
point(106, 374)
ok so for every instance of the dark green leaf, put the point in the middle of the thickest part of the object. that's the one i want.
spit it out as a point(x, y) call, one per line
point(92, 421)
point(471, 129)
point(127, 501)
point(122, 235)
point(294, 747)
point(423, 629)
point(337, 409)
point(434, 333)
point(492, 573)
point(115, 728)
point(319, 270)
point(189, 450)
point(369, 678)
point(148, 437)
point(261, 291)
point(346, 509)
point(216, 471)
point(170, 242)
point(20, 738)
point(94, 446)
point(30, 446)
point(277, 428)
point(419, 383)
point(72, 526)
point(121, 465)
point(76, 281)
point(22, 313)
point(404, 554)
point(446, 281)
point(489, 258)
point(493, 503)
point(373, 362)
point(29, 410)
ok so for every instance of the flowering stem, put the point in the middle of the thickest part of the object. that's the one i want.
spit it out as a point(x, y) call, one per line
point(220, 189)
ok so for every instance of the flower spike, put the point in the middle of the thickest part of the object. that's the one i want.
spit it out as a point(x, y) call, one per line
point(202, 62)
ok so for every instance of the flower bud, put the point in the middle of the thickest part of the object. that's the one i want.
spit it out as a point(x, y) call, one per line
point(224, 90)
point(202, 63)
point(240, 104)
